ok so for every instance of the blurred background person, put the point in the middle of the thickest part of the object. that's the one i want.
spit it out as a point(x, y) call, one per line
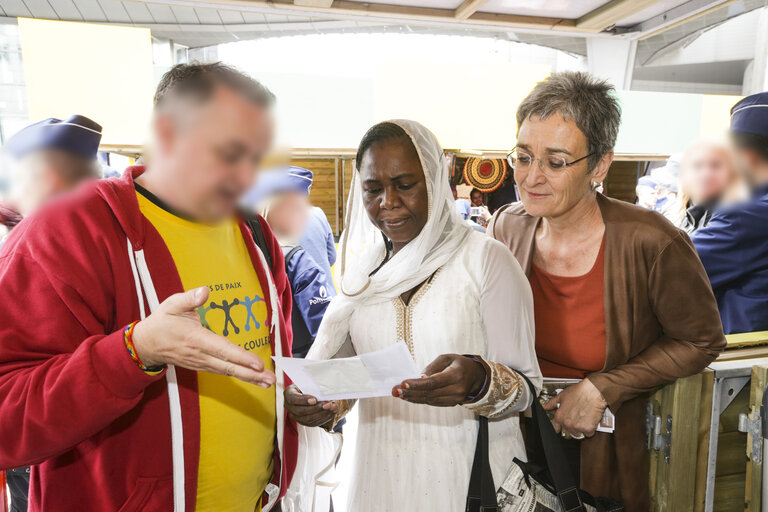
point(281, 196)
point(646, 192)
point(479, 212)
point(318, 241)
point(463, 206)
point(666, 178)
point(48, 159)
point(707, 172)
point(733, 245)
point(52, 157)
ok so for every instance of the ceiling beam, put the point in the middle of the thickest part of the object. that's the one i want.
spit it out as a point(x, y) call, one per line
point(313, 3)
point(468, 8)
point(607, 15)
point(386, 13)
point(678, 15)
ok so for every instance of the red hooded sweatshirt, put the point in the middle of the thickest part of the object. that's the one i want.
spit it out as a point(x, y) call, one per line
point(95, 427)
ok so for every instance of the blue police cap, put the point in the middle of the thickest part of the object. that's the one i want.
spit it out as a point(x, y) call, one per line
point(288, 179)
point(750, 115)
point(647, 181)
point(76, 134)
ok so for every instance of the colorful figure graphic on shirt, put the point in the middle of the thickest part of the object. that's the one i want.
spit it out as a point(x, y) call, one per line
point(248, 302)
point(226, 307)
point(202, 312)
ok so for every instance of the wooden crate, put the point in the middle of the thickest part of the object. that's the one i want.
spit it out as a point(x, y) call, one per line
point(684, 435)
point(679, 408)
point(754, 473)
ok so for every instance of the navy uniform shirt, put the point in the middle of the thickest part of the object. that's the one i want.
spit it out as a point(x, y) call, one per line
point(318, 242)
point(734, 250)
point(311, 296)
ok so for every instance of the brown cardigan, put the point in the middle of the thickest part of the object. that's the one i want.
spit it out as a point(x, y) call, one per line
point(661, 323)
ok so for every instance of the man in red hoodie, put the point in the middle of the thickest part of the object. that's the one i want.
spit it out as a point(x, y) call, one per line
point(139, 317)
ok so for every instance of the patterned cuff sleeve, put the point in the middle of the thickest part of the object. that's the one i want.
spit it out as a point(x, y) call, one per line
point(507, 393)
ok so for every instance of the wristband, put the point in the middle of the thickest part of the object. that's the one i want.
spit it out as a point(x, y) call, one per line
point(484, 387)
point(128, 337)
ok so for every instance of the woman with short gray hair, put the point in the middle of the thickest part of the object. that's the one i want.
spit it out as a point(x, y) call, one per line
point(612, 284)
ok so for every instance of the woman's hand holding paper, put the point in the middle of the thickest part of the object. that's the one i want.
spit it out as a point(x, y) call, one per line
point(307, 410)
point(448, 380)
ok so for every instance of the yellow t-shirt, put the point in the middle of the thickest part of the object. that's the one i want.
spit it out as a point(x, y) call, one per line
point(237, 420)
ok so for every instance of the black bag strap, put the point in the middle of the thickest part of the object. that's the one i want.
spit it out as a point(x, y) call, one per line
point(540, 429)
point(291, 253)
point(546, 441)
point(481, 496)
point(258, 237)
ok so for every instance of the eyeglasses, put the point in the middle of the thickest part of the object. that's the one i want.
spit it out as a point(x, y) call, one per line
point(552, 165)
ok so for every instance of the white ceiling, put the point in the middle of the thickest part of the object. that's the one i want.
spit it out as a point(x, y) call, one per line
point(196, 24)
point(568, 9)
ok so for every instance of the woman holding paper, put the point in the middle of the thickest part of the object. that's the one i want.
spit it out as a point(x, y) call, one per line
point(412, 270)
point(613, 284)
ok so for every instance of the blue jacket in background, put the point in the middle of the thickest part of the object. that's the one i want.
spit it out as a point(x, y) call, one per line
point(311, 296)
point(464, 208)
point(318, 242)
point(734, 250)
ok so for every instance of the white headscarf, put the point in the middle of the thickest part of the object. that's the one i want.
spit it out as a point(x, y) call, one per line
point(362, 246)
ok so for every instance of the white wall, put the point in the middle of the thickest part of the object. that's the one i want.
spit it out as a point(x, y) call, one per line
point(331, 88)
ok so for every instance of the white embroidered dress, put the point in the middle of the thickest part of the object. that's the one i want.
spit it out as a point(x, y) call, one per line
point(475, 301)
point(414, 457)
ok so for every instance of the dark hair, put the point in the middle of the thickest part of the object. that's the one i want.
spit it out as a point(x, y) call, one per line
point(197, 82)
point(9, 217)
point(753, 141)
point(589, 101)
point(475, 190)
point(379, 133)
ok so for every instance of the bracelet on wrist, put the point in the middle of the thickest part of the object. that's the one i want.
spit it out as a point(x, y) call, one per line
point(484, 387)
point(128, 338)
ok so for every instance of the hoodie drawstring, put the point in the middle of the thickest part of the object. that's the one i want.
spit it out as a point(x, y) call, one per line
point(272, 490)
point(143, 281)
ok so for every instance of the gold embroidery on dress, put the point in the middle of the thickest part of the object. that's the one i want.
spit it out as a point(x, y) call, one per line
point(506, 388)
point(405, 312)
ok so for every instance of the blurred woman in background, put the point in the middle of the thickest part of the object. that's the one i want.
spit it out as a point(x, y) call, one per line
point(707, 177)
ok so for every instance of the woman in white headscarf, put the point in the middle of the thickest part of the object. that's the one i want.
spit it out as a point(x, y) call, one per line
point(412, 270)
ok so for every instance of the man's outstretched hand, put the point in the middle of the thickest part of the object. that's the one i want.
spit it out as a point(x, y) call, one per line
point(173, 335)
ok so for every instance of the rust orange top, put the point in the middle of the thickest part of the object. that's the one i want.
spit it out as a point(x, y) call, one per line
point(570, 321)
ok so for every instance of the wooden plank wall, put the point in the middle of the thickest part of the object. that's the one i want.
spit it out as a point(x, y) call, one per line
point(324, 193)
point(621, 181)
point(731, 474)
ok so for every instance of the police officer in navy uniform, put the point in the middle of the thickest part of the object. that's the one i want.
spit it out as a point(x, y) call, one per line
point(281, 196)
point(49, 158)
point(734, 245)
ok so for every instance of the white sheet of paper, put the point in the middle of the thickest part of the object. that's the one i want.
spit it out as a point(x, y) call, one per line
point(364, 376)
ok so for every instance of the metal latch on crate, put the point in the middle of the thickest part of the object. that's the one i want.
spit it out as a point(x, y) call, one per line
point(753, 426)
point(659, 432)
